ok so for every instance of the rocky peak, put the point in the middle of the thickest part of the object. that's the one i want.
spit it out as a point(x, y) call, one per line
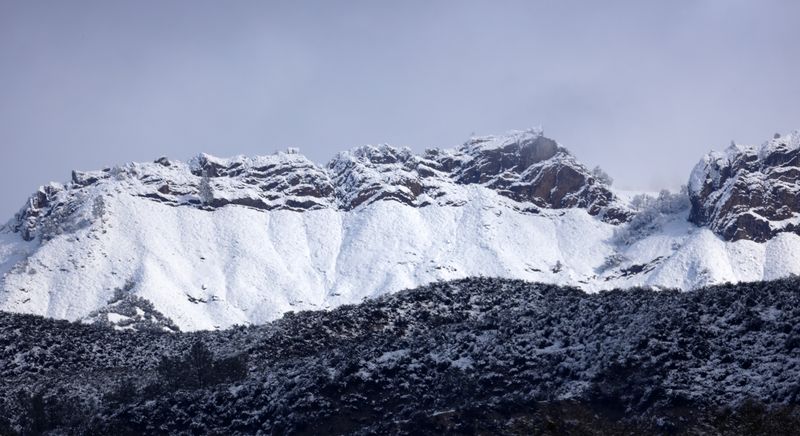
point(526, 166)
point(35, 210)
point(748, 192)
point(514, 152)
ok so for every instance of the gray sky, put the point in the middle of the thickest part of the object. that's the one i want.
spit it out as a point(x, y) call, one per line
point(642, 88)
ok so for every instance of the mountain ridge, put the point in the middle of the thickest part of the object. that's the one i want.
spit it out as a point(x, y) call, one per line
point(214, 242)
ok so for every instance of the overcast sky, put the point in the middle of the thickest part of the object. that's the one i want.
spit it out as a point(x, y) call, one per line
point(642, 88)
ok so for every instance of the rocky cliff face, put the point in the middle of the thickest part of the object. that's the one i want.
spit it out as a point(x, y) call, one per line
point(749, 192)
point(524, 166)
point(528, 167)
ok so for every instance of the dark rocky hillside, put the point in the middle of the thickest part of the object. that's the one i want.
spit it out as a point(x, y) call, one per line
point(474, 356)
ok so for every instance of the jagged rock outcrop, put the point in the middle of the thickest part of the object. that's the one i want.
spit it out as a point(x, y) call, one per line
point(528, 167)
point(368, 174)
point(524, 166)
point(749, 192)
point(281, 181)
point(38, 206)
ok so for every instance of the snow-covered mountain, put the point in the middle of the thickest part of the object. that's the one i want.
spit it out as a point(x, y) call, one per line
point(216, 242)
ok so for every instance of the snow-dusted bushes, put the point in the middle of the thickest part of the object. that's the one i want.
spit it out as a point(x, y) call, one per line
point(651, 214)
point(612, 261)
point(128, 311)
point(199, 368)
point(476, 355)
point(602, 176)
point(99, 208)
point(205, 191)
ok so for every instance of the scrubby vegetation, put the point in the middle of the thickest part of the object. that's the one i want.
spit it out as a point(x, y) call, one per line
point(651, 213)
point(470, 356)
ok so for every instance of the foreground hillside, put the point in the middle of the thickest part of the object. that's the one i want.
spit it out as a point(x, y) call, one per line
point(468, 356)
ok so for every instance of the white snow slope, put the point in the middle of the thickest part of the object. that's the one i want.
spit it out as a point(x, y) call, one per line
point(209, 269)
